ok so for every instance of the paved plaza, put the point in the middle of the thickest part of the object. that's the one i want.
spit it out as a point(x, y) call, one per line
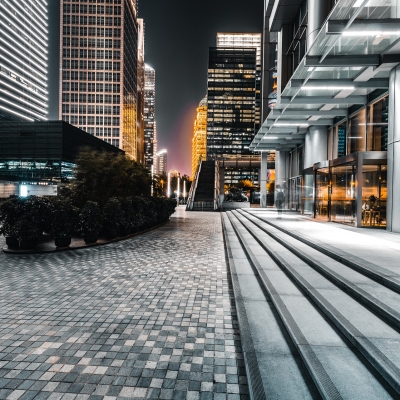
point(150, 317)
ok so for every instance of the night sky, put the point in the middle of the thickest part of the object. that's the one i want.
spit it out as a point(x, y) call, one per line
point(178, 34)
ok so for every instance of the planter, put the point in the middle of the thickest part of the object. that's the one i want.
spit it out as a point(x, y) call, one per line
point(110, 235)
point(90, 239)
point(62, 241)
point(125, 231)
point(12, 242)
point(27, 244)
point(134, 229)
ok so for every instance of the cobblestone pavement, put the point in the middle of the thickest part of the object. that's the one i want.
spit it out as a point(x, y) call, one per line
point(149, 317)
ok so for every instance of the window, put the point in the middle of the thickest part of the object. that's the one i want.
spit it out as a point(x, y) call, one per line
point(356, 133)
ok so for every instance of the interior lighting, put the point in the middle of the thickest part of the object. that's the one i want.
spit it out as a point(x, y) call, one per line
point(328, 87)
point(270, 137)
point(23, 191)
point(370, 33)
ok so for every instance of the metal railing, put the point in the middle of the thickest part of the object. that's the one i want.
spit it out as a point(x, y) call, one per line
point(193, 187)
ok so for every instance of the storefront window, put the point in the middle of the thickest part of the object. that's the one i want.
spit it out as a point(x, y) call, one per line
point(322, 194)
point(377, 125)
point(308, 193)
point(374, 194)
point(339, 149)
point(356, 134)
point(343, 197)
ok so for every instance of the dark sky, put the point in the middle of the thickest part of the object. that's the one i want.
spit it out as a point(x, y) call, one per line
point(178, 34)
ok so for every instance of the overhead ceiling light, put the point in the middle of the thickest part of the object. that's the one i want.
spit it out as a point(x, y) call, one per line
point(288, 124)
point(328, 87)
point(371, 33)
point(271, 137)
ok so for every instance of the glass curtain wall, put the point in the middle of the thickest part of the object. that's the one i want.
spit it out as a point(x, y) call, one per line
point(356, 133)
point(377, 125)
point(322, 186)
point(308, 193)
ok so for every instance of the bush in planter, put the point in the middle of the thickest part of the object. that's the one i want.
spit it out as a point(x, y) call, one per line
point(128, 222)
point(113, 218)
point(27, 233)
point(10, 212)
point(63, 219)
point(90, 221)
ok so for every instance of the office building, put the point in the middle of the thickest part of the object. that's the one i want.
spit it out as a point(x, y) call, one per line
point(161, 159)
point(199, 140)
point(233, 104)
point(149, 115)
point(140, 144)
point(334, 127)
point(98, 71)
point(23, 60)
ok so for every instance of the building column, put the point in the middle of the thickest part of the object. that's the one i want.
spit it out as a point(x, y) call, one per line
point(393, 153)
point(281, 172)
point(317, 12)
point(221, 185)
point(284, 61)
point(263, 179)
point(315, 145)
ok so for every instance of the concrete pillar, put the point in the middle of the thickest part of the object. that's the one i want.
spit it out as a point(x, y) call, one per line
point(263, 179)
point(393, 181)
point(315, 145)
point(317, 12)
point(284, 62)
point(221, 185)
point(281, 172)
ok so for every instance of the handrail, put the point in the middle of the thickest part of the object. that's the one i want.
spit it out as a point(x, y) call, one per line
point(193, 187)
point(216, 185)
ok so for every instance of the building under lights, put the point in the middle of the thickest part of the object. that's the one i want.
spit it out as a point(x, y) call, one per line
point(334, 126)
point(199, 140)
point(149, 115)
point(161, 162)
point(23, 60)
point(234, 74)
point(99, 71)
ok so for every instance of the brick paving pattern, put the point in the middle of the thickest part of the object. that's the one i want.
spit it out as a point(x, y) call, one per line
point(150, 317)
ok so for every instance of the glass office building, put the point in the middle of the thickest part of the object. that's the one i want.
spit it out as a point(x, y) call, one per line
point(199, 140)
point(98, 70)
point(23, 60)
point(149, 115)
point(334, 127)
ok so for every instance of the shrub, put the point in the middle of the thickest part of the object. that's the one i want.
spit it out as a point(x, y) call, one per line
point(26, 230)
point(63, 218)
point(90, 219)
point(10, 212)
point(113, 216)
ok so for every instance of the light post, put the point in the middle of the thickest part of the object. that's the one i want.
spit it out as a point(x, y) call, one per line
point(169, 185)
point(177, 192)
point(152, 180)
point(184, 192)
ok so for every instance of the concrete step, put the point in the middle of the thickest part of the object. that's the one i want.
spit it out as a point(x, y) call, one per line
point(336, 367)
point(374, 338)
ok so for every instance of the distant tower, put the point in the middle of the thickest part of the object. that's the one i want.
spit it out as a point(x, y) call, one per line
point(140, 145)
point(149, 114)
point(23, 58)
point(162, 161)
point(155, 148)
point(199, 141)
point(98, 70)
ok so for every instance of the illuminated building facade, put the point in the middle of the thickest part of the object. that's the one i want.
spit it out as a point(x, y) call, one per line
point(161, 161)
point(98, 70)
point(149, 115)
point(234, 73)
point(23, 60)
point(199, 140)
point(140, 95)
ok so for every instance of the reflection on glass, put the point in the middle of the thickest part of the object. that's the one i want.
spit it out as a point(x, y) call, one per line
point(374, 194)
point(308, 194)
point(322, 194)
point(295, 193)
point(377, 125)
point(356, 136)
point(343, 197)
point(340, 140)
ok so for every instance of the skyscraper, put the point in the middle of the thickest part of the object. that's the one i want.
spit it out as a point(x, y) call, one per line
point(149, 114)
point(199, 140)
point(234, 74)
point(23, 60)
point(98, 63)
point(140, 94)
point(162, 161)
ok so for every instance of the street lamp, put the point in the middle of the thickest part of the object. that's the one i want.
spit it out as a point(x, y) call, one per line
point(152, 180)
point(184, 192)
point(177, 193)
point(169, 185)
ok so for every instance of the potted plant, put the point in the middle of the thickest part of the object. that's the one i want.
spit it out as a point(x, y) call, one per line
point(27, 233)
point(10, 211)
point(90, 222)
point(63, 221)
point(113, 218)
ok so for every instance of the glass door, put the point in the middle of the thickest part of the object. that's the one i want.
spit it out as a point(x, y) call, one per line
point(322, 194)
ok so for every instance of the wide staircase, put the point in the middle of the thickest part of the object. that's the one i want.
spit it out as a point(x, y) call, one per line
point(314, 324)
point(203, 196)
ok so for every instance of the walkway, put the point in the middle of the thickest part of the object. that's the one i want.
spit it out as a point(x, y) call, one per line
point(150, 317)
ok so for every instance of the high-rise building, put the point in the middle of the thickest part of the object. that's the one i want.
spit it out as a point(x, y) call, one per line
point(149, 114)
point(162, 161)
point(98, 70)
point(199, 140)
point(140, 144)
point(234, 73)
point(155, 146)
point(23, 60)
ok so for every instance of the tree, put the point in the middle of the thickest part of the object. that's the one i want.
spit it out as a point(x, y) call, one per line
point(100, 176)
